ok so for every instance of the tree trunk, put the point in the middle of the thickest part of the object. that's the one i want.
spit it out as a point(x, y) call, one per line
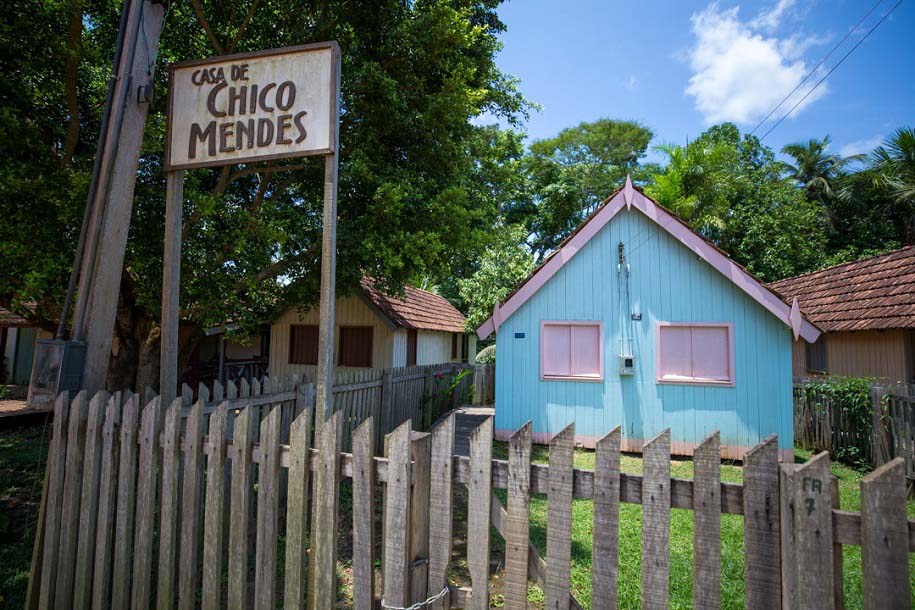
point(134, 362)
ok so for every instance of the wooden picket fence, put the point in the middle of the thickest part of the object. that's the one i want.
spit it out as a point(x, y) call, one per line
point(484, 384)
point(392, 396)
point(153, 507)
point(889, 431)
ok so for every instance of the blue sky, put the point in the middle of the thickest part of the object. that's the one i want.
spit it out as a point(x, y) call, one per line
point(680, 66)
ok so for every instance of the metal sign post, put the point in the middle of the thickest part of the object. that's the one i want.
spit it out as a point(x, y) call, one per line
point(245, 108)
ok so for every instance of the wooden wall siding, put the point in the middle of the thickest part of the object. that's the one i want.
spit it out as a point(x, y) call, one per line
point(799, 359)
point(399, 355)
point(433, 347)
point(668, 283)
point(350, 311)
point(868, 354)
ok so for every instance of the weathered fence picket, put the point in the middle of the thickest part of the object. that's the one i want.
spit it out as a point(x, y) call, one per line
point(761, 527)
point(517, 536)
point(605, 548)
point(707, 524)
point(364, 516)
point(884, 552)
point(440, 509)
point(479, 493)
point(559, 520)
point(297, 513)
point(656, 522)
point(396, 533)
point(161, 478)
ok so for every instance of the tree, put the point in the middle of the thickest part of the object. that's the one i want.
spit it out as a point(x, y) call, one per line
point(414, 75)
point(573, 172)
point(816, 170)
point(504, 264)
point(731, 190)
point(876, 205)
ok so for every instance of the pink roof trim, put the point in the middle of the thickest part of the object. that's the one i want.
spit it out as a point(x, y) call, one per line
point(667, 221)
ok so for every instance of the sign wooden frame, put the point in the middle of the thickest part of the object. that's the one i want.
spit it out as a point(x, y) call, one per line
point(222, 59)
point(171, 269)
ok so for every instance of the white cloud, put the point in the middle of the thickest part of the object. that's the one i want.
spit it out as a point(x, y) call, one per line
point(770, 20)
point(632, 82)
point(739, 74)
point(861, 147)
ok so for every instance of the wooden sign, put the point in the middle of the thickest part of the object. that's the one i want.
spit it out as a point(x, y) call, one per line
point(252, 107)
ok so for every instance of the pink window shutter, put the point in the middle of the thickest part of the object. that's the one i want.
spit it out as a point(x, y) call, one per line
point(711, 353)
point(555, 352)
point(676, 352)
point(585, 356)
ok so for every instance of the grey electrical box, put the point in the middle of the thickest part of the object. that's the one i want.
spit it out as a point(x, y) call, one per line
point(57, 367)
point(627, 365)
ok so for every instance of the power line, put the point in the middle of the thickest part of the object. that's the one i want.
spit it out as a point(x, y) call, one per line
point(814, 69)
point(833, 69)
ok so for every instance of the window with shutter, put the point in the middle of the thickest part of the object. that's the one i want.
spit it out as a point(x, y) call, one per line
point(695, 353)
point(356, 346)
point(411, 347)
point(571, 350)
point(303, 344)
point(816, 356)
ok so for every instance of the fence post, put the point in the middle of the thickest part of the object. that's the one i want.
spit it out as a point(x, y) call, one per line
point(761, 525)
point(884, 537)
point(364, 516)
point(479, 504)
point(878, 434)
point(429, 388)
point(813, 539)
point(387, 403)
point(323, 563)
point(559, 519)
point(440, 507)
point(656, 522)
point(517, 535)
point(396, 537)
point(786, 527)
point(419, 516)
point(455, 391)
point(707, 523)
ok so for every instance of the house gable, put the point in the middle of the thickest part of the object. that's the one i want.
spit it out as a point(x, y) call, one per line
point(668, 282)
point(628, 197)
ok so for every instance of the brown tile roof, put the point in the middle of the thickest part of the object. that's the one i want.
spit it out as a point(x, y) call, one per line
point(9, 319)
point(418, 309)
point(868, 294)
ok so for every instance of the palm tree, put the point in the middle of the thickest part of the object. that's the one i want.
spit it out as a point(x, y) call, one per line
point(816, 170)
point(894, 161)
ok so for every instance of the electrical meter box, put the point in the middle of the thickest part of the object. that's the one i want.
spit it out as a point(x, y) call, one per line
point(57, 367)
point(627, 365)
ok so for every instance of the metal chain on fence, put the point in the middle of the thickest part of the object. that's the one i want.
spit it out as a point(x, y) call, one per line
point(417, 605)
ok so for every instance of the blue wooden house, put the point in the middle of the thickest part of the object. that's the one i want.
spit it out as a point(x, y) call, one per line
point(636, 320)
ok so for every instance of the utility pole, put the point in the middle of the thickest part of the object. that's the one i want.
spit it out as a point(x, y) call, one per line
point(82, 361)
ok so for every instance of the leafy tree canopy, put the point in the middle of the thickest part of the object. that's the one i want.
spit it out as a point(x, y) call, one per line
point(504, 264)
point(412, 197)
point(570, 175)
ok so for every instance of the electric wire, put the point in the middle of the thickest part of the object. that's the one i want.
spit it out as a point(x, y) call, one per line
point(833, 69)
point(816, 67)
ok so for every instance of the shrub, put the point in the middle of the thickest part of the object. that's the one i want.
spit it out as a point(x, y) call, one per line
point(850, 398)
point(487, 355)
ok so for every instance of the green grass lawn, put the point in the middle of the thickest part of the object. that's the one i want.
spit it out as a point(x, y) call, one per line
point(22, 457)
point(681, 537)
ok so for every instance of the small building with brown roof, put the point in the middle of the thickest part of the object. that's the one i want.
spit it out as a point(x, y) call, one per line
point(866, 310)
point(374, 330)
